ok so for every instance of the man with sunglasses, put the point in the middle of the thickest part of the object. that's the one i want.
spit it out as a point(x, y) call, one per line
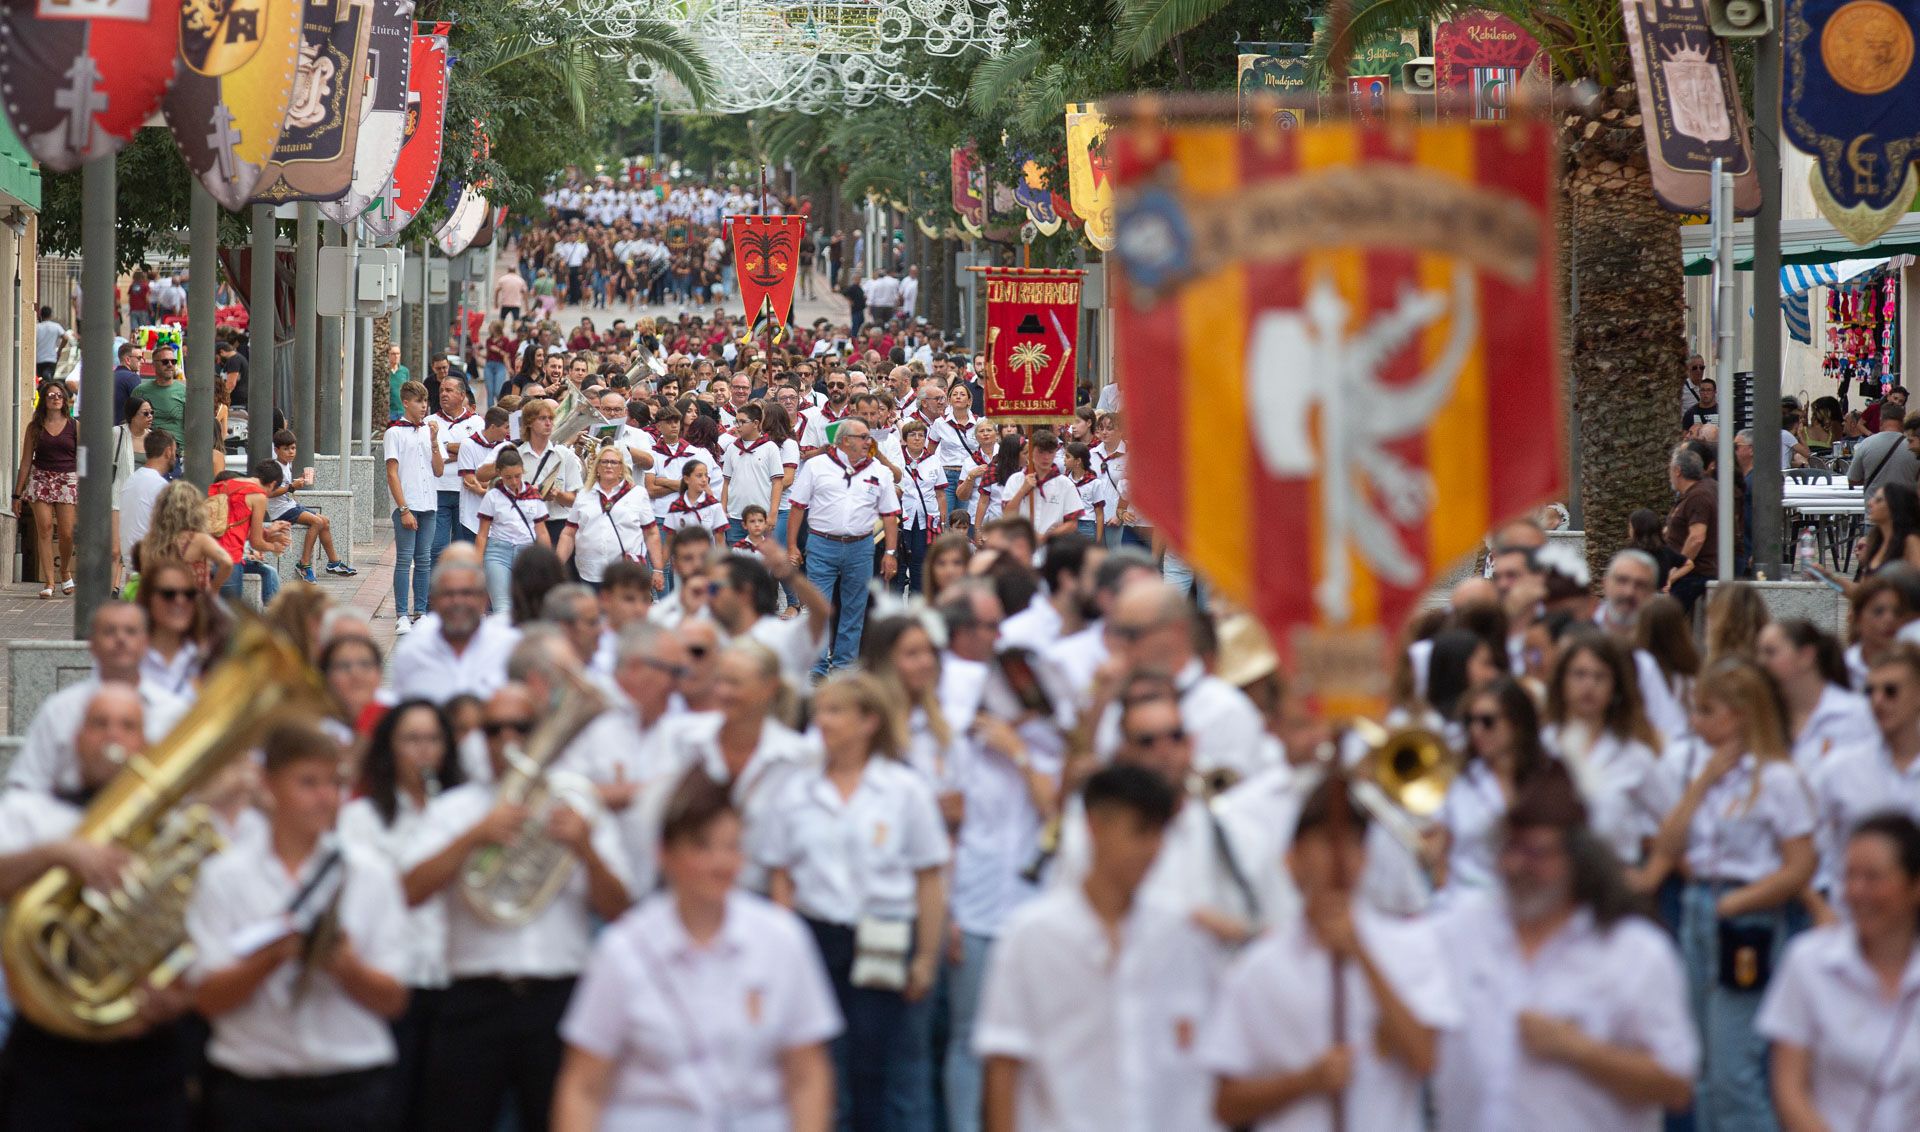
point(498, 1032)
point(1857, 782)
point(814, 422)
point(166, 392)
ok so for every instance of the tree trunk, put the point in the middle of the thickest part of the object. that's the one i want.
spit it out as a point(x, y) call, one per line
point(1627, 328)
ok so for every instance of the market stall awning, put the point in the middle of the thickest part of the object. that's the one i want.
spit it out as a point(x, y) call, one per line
point(1801, 241)
point(19, 179)
point(1798, 278)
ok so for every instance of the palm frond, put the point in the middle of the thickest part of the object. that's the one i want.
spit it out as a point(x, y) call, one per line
point(675, 52)
point(1143, 27)
point(998, 75)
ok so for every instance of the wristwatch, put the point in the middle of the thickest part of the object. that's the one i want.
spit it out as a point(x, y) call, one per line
point(890, 552)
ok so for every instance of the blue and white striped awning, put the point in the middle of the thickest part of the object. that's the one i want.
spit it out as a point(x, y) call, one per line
point(1798, 278)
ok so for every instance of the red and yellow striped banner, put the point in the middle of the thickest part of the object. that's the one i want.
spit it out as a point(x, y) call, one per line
point(1339, 359)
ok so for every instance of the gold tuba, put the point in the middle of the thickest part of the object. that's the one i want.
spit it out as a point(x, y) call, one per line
point(1403, 779)
point(77, 959)
point(508, 885)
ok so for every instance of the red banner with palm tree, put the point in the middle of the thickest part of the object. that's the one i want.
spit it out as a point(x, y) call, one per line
point(1033, 329)
point(766, 257)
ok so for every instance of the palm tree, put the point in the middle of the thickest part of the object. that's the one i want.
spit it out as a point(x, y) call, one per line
point(580, 65)
point(1625, 327)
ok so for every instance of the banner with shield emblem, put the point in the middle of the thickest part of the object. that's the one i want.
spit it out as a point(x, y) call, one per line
point(226, 124)
point(1089, 178)
point(314, 158)
point(383, 109)
point(80, 76)
point(1689, 106)
point(1850, 101)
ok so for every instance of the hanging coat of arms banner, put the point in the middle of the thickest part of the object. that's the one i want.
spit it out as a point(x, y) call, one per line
point(383, 109)
point(1281, 71)
point(1088, 173)
point(314, 158)
point(1689, 107)
point(1033, 328)
point(1479, 59)
point(419, 162)
point(466, 212)
point(1851, 102)
point(227, 124)
point(1033, 193)
point(969, 190)
point(80, 76)
point(766, 258)
point(1373, 309)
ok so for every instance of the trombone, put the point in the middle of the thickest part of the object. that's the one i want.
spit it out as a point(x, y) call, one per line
point(1402, 780)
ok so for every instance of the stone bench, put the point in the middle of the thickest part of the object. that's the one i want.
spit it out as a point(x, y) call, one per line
point(352, 521)
point(9, 747)
point(1816, 601)
point(38, 669)
point(368, 483)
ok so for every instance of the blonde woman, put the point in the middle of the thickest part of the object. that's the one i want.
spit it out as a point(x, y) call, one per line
point(1742, 836)
point(179, 530)
point(857, 847)
point(611, 520)
point(1735, 616)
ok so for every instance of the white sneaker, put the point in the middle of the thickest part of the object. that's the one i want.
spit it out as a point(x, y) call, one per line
point(402, 626)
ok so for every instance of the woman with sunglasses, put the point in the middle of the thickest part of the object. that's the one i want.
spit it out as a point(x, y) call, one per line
point(1503, 755)
point(1843, 1012)
point(612, 520)
point(411, 757)
point(180, 622)
point(50, 480)
point(857, 847)
point(129, 452)
point(1595, 725)
point(704, 1007)
point(1742, 836)
point(1824, 714)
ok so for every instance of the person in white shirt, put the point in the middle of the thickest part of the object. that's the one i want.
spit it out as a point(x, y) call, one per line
point(1824, 714)
point(611, 522)
point(301, 1012)
point(410, 758)
point(457, 422)
point(512, 517)
point(458, 650)
point(1743, 830)
point(859, 849)
point(838, 498)
point(476, 470)
point(1577, 1017)
point(497, 1032)
point(1343, 1004)
point(1503, 754)
point(553, 471)
point(753, 472)
point(142, 488)
point(622, 751)
point(923, 492)
point(1841, 1008)
point(695, 505)
point(1596, 728)
point(117, 642)
point(1043, 492)
point(134, 1080)
point(1881, 775)
point(703, 1007)
point(1094, 995)
point(414, 463)
point(745, 593)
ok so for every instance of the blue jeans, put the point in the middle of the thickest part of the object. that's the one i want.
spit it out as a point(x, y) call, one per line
point(496, 377)
point(446, 521)
point(1089, 528)
point(499, 567)
point(953, 493)
point(1733, 1094)
point(412, 563)
point(912, 575)
point(872, 1057)
point(962, 1071)
point(842, 570)
point(780, 539)
point(269, 581)
point(736, 530)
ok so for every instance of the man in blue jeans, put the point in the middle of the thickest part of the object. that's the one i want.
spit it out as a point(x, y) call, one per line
point(414, 461)
point(838, 496)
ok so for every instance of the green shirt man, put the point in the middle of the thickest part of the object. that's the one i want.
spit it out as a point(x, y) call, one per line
point(166, 392)
point(396, 377)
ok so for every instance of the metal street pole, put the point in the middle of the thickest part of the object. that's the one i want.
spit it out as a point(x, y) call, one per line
point(426, 305)
point(93, 543)
point(1766, 486)
point(306, 328)
point(261, 371)
point(1723, 357)
point(203, 266)
point(327, 371)
point(349, 351)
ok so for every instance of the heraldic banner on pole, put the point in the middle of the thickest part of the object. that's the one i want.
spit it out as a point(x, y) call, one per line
point(1377, 305)
point(766, 257)
point(1033, 328)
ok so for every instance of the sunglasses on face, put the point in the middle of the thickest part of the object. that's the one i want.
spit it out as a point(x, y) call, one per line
point(495, 728)
point(676, 671)
point(167, 593)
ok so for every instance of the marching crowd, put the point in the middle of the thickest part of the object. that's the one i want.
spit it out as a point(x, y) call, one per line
point(1032, 834)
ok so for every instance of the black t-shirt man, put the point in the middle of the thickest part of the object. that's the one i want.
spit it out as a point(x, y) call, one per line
point(234, 368)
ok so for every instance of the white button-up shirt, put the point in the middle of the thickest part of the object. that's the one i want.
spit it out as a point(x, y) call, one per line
point(1274, 1014)
point(794, 641)
point(697, 1032)
point(46, 762)
point(1864, 1051)
point(515, 517)
point(844, 500)
point(608, 527)
point(750, 471)
point(1736, 832)
point(473, 454)
point(360, 825)
point(1852, 784)
point(174, 677)
point(1190, 872)
point(556, 462)
point(999, 836)
point(1840, 720)
point(1106, 1039)
point(554, 944)
point(1053, 500)
point(1474, 807)
point(276, 1032)
point(923, 493)
point(1627, 794)
point(455, 431)
point(408, 449)
point(860, 856)
point(1622, 985)
point(425, 665)
point(29, 819)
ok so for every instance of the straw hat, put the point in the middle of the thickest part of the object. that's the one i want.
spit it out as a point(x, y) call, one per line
point(1246, 652)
